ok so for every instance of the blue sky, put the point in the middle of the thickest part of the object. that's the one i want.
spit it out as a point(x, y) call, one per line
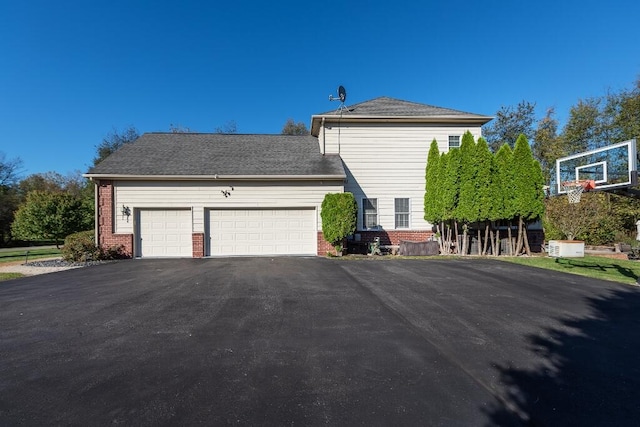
point(72, 71)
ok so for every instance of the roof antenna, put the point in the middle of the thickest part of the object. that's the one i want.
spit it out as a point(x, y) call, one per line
point(342, 96)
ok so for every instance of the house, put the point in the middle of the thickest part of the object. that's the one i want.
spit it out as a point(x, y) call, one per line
point(195, 195)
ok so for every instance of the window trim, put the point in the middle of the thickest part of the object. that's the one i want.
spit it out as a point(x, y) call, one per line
point(362, 218)
point(407, 213)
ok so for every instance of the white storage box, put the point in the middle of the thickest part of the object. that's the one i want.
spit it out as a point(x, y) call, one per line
point(566, 248)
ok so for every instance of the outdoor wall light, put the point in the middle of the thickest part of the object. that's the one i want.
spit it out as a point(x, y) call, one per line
point(125, 211)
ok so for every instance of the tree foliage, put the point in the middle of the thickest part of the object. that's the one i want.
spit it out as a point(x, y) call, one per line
point(547, 146)
point(50, 216)
point(339, 217)
point(293, 128)
point(466, 207)
point(432, 172)
point(510, 122)
point(113, 141)
point(229, 127)
point(9, 198)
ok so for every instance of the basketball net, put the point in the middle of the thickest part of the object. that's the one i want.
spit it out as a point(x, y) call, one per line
point(574, 189)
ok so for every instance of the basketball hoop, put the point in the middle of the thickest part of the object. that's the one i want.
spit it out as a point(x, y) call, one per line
point(574, 189)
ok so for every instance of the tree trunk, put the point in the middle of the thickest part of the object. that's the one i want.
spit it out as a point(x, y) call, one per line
point(486, 238)
point(510, 239)
point(455, 235)
point(519, 243)
point(440, 231)
point(496, 242)
point(479, 242)
point(525, 239)
point(464, 239)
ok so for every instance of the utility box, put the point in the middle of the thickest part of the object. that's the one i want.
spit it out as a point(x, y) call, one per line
point(566, 248)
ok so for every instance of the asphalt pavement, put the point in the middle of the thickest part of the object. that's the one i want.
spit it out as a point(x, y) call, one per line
point(315, 341)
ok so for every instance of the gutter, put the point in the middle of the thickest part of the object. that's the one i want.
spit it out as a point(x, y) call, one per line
point(216, 177)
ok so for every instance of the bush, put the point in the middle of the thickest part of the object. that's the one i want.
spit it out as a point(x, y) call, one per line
point(339, 217)
point(81, 247)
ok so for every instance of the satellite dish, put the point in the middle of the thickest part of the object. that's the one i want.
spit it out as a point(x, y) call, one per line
point(342, 93)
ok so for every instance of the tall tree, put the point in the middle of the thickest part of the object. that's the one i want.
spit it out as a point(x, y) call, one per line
point(293, 128)
point(504, 190)
point(432, 172)
point(49, 216)
point(467, 209)
point(113, 141)
point(449, 194)
point(9, 199)
point(584, 128)
point(528, 190)
point(509, 124)
point(547, 146)
point(486, 197)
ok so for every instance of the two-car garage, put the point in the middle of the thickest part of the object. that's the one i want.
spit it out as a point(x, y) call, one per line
point(228, 232)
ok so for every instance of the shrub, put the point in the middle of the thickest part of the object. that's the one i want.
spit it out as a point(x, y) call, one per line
point(339, 217)
point(81, 247)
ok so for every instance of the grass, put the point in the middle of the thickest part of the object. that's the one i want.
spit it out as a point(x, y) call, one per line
point(9, 276)
point(617, 270)
point(12, 256)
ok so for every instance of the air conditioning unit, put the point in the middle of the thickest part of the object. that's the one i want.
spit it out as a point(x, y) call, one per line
point(566, 248)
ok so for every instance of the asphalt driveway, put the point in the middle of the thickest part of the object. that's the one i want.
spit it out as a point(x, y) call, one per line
point(313, 341)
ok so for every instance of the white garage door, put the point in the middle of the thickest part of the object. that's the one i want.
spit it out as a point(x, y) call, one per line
point(262, 232)
point(164, 233)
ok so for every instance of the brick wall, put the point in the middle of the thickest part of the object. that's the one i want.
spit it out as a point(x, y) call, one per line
point(391, 237)
point(106, 237)
point(197, 240)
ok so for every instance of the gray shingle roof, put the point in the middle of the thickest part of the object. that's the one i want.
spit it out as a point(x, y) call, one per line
point(390, 109)
point(387, 107)
point(198, 154)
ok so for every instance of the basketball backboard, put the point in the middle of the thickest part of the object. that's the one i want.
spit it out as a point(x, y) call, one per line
point(612, 167)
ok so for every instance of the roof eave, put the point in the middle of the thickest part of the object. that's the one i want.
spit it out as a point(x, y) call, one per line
point(217, 177)
point(316, 120)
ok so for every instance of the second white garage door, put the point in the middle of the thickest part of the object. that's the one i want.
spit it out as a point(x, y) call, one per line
point(262, 232)
point(164, 233)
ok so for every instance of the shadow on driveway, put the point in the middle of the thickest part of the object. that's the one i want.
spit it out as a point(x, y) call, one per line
point(316, 341)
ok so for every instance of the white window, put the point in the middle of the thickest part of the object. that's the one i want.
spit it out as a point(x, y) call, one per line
point(454, 141)
point(402, 213)
point(369, 213)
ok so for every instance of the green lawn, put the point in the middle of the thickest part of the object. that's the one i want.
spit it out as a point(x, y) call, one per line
point(9, 276)
point(617, 270)
point(13, 255)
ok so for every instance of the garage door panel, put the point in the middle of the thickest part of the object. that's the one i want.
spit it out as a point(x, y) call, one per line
point(164, 233)
point(262, 232)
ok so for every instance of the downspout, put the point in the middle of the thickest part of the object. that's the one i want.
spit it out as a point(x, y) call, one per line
point(96, 213)
point(324, 139)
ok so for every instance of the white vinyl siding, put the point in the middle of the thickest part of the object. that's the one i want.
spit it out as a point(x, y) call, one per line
point(369, 214)
point(199, 196)
point(383, 160)
point(402, 212)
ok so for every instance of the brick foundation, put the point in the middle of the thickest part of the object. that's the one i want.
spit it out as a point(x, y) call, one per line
point(197, 240)
point(106, 237)
point(391, 237)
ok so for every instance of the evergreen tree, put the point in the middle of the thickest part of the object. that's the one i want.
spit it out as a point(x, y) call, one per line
point(504, 190)
point(485, 196)
point(432, 173)
point(449, 194)
point(466, 210)
point(528, 184)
